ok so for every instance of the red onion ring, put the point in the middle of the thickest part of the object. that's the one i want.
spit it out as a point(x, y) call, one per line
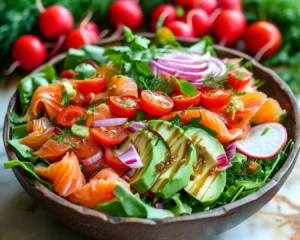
point(93, 159)
point(109, 122)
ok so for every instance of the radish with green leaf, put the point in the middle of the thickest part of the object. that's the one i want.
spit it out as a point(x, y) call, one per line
point(181, 29)
point(165, 12)
point(264, 141)
point(199, 20)
point(28, 53)
point(125, 13)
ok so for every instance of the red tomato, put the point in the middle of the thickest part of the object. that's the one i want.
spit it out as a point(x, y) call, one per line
point(124, 106)
point(156, 103)
point(181, 29)
point(112, 160)
point(215, 97)
point(87, 86)
point(264, 37)
point(79, 100)
point(68, 74)
point(109, 136)
point(183, 102)
point(239, 78)
point(68, 116)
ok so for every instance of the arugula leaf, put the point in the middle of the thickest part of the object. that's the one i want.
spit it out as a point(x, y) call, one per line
point(28, 167)
point(22, 151)
point(187, 88)
point(177, 206)
point(14, 119)
point(74, 58)
point(29, 84)
point(85, 70)
point(204, 45)
point(113, 207)
point(19, 131)
point(94, 53)
point(135, 207)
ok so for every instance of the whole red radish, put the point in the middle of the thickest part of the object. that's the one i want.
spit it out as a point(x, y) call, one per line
point(55, 21)
point(166, 11)
point(181, 29)
point(229, 26)
point(199, 20)
point(231, 5)
point(125, 13)
point(208, 6)
point(263, 39)
point(82, 35)
point(28, 52)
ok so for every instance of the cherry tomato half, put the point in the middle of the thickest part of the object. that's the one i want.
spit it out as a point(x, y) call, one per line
point(124, 106)
point(156, 103)
point(112, 160)
point(183, 102)
point(68, 116)
point(239, 78)
point(109, 136)
point(68, 74)
point(215, 97)
point(91, 85)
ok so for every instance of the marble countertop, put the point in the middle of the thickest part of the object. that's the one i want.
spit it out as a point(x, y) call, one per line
point(21, 219)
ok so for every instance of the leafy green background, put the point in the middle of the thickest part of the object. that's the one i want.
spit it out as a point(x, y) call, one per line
point(20, 17)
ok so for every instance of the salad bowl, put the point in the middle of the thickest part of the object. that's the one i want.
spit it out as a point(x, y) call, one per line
point(201, 225)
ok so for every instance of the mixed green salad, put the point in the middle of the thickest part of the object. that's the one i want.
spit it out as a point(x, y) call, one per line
point(148, 129)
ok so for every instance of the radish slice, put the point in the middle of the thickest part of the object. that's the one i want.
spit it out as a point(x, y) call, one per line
point(264, 141)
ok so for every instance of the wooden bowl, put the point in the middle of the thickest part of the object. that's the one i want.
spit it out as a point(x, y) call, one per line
point(195, 226)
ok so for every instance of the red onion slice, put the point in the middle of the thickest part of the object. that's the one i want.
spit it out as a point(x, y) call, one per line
point(196, 67)
point(159, 205)
point(131, 158)
point(223, 162)
point(93, 159)
point(109, 122)
point(231, 150)
point(135, 126)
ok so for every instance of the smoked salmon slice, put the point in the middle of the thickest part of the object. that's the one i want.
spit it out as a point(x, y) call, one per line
point(36, 139)
point(40, 132)
point(213, 121)
point(65, 175)
point(99, 189)
point(241, 118)
point(269, 112)
point(46, 98)
point(119, 86)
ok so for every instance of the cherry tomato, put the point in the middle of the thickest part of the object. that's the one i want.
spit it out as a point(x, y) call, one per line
point(156, 103)
point(183, 102)
point(69, 73)
point(262, 35)
point(68, 116)
point(215, 97)
point(79, 100)
point(124, 106)
point(112, 160)
point(239, 78)
point(87, 86)
point(109, 136)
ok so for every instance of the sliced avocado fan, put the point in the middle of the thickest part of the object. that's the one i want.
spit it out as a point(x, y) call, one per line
point(206, 184)
point(175, 173)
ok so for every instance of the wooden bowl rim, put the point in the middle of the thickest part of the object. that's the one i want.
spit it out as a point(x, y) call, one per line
point(217, 212)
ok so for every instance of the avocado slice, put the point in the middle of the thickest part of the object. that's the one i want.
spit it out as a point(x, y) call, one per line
point(206, 184)
point(177, 170)
point(152, 150)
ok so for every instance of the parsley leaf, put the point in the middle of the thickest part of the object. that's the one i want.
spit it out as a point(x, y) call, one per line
point(265, 131)
point(204, 45)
